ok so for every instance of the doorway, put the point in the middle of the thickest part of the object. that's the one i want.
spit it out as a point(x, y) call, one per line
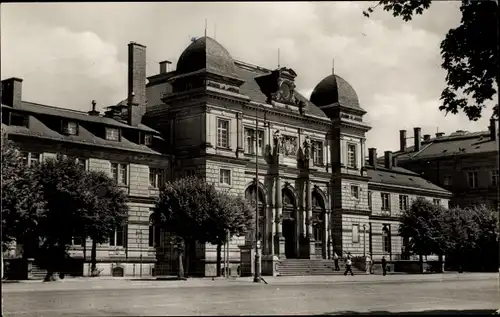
point(289, 235)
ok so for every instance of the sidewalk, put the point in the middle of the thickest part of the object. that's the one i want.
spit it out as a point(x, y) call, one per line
point(137, 283)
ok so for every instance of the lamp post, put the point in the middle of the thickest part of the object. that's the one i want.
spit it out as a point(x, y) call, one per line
point(139, 238)
point(256, 277)
point(498, 117)
point(364, 240)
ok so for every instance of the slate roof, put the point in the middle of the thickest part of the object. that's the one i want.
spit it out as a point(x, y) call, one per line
point(77, 115)
point(252, 89)
point(457, 143)
point(401, 177)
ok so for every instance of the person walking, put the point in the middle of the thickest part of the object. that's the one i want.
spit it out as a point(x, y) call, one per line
point(368, 264)
point(348, 264)
point(336, 261)
point(384, 266)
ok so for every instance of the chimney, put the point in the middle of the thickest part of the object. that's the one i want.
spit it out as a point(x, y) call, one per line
point(439, 134)
point(402, 140)
point(136, 83)
point(165, 67)
point(93, 112)
point(388, 159)
point(417, 140)
point(394, 161)
point(372, 157)
point(427, 137)
point(12, 91)
point(493, 129)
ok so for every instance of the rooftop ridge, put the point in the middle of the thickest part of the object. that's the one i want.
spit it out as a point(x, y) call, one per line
point(54, 107)
point(251, 66)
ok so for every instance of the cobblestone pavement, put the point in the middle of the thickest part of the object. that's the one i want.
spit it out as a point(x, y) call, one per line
point(289, 296)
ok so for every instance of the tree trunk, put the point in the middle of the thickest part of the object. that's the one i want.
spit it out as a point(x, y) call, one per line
point(180, 254)
point(441, 264)
point(187, 258)
point(93, 259)
point(219, 258)
point(421, 261)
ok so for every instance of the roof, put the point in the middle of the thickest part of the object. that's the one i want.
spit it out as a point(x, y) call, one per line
point(334, 89)
point(38, 129)
point(399, 176)
point(457, 143)
point(252, 89)
point(206, 52)
point(76, 115)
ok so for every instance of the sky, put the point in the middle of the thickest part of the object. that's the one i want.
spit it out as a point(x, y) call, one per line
point(69, 54)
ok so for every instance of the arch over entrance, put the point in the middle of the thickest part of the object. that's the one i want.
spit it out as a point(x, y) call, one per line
point(289, 221)
point(318, 221)
point(250, 193)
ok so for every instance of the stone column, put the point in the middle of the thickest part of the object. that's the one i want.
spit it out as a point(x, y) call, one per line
point(308, 210)
point(239, 132)
point(273, 231)
point(279, 221)
point(324, 242)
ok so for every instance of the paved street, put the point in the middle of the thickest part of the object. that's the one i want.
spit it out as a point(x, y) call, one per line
point(316, 295)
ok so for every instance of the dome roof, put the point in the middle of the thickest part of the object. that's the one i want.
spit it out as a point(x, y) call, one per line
point(206, 52)
point(333, 89)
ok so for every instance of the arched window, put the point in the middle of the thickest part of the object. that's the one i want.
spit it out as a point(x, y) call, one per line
point(386, 239)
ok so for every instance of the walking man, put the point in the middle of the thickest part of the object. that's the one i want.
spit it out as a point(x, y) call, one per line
point(348, 264)
point(336, 261)
point(384, 266)
point(368, 264)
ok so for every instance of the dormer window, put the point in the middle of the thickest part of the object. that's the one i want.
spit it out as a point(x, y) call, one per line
point(112, 134)
point(70, 127)
point(18, 119)
point(148, 139)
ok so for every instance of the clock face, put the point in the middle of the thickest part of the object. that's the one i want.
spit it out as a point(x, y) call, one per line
point(285, 91)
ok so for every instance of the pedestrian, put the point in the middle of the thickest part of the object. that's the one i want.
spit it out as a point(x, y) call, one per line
point(384, 266)
point(348, 264)
point(336, 261)
point(368, 264)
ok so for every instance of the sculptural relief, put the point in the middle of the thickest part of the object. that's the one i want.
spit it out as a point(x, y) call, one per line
point(307, 148)
point(277, 141)
point(289, 145)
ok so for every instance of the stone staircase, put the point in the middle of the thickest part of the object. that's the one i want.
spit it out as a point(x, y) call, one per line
point(37, 273)
point(301, 267)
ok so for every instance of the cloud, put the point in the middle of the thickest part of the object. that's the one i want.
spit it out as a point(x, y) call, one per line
point(69, 54)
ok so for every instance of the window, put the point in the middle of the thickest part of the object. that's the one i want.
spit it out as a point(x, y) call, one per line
point(70, 127)
point(436, 202)
point(156, 178)
point(77, 241)
point(447, 181)
point(317, 152)
point(118, 237)
point(370, 200)
point(355, 191)
point(30, 159)
point(386, 239)
point(82, 163)
point(154, 236)
point(355, 233)
point(250, 141)
point(112, 134)
point(223, 133)
point(472, 179)
point(19, 120)
point(351, 155)
point(225, 176)
point(494, 178)
point(148, 139)
point(386, 201)
point(403, 202)
point(119, 172)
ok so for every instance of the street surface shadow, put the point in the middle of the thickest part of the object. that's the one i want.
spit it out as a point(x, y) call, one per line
point(170, 278)
point(423, 312)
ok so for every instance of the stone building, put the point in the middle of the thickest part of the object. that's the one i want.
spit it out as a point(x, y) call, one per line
point(115, 142)
point(465, 163)
point(316, 192)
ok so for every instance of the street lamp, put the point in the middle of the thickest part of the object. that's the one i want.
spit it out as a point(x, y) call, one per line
point(138, 232)
point(256, 277)
point(364, 240)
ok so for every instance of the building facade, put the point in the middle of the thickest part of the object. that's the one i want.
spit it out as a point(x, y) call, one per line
point(228, 121)
point(115, 142)
point(465, 163)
